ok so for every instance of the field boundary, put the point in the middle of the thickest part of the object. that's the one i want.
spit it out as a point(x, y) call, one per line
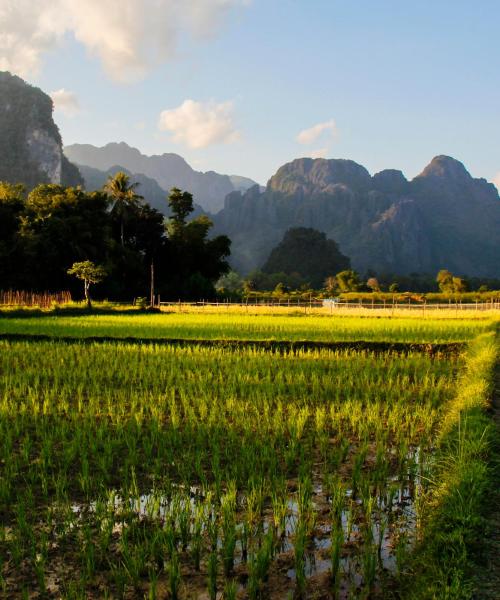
point(438, 349)
point(461, 479)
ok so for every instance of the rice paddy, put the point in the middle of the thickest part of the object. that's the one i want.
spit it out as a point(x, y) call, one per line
point(153, 470)
point(251, 327)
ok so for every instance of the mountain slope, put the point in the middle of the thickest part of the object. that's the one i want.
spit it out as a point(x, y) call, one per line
point(30, 142)
point(169, 170)
point(444, 218)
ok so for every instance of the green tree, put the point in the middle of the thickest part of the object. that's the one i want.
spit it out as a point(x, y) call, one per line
point(12, 203)
point(281, 289)
point(444, 280)
point(181, 206)
point(459, 285)
point(90, 274)
point(248, 286)
point(348, 281)
point(394, 287)
point(373, 284)
point(196, 261)
point(307, 252)
point(230, 283)
point(60, 226)
point(123, 196)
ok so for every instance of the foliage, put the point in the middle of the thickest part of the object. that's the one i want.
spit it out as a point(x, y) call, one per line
point(373, 284)
point(431, 297)
point(348, 281)
point(230, 284)
point(199, 260)
point(448, 283)
point(308, 253)
point(89, 273)
point(44, 233)
point(258, 281)
point(123, 196)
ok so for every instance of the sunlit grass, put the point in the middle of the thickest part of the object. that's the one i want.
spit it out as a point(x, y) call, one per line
point(250, 327)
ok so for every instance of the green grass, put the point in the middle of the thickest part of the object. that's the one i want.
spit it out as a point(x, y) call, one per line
point(461, 480)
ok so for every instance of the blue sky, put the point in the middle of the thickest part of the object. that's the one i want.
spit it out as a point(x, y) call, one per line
point(402, 81)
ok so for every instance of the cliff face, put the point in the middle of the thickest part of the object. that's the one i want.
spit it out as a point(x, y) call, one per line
point(444, 218)
point(169, 170)
point(30, 142)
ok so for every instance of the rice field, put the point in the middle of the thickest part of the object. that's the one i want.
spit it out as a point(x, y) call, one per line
point(251, 327)
point(146, 470)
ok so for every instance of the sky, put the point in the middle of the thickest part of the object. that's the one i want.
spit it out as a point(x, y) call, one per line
point(244, 86)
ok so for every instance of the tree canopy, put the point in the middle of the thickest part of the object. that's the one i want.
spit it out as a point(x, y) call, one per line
point(308, 253)
point(43, 233)
point(89, 273)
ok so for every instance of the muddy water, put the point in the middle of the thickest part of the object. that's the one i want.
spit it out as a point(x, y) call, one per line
point(391, 529)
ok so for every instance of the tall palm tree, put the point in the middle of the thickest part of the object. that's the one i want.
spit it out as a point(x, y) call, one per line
point(123, 195)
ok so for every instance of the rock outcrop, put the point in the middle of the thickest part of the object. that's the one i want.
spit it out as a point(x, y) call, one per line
point(30, 142)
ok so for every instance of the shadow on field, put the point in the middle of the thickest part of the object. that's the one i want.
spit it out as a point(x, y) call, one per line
point(436, 350)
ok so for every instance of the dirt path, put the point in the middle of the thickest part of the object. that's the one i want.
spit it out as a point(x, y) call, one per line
point(487, 581)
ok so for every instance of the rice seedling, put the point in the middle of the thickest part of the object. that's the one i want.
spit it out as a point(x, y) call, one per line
point(143, 466)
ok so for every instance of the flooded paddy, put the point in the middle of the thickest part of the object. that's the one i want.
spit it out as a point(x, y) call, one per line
point(194, 472)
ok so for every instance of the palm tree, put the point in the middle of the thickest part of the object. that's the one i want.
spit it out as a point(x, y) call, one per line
point(123, 195)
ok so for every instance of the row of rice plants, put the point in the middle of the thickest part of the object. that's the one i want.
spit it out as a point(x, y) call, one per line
point(131, 470)
point(251, 327)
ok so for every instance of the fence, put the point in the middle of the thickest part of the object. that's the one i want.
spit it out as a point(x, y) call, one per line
point(43, 300)
point(334, 306)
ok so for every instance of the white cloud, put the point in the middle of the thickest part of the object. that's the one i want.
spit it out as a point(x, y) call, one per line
point(129, 37)
point(198, 124)
point(496, 180)
point(309, 136)
point(66, 101)
point(319, 153)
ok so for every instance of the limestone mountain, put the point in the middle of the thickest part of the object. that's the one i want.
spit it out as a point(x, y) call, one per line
point(169, 170)
point(30, 142)
point(443, 218)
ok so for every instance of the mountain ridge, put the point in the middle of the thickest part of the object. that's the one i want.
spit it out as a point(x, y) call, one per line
point(169, 170)
point(442, 218)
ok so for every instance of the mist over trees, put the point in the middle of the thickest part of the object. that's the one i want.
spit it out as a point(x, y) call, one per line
point(43, 233)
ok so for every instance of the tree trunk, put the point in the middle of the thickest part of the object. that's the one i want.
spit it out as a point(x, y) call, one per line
point(152, 290)
point(86, 285)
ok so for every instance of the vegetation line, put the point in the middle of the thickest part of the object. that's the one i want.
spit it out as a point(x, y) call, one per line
point(461, 480)
point(449, 348)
